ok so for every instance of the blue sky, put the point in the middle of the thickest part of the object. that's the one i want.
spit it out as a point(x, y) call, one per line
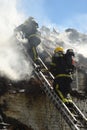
point(60, 13)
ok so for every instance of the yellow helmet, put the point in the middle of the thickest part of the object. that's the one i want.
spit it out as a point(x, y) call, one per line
point(57, 49)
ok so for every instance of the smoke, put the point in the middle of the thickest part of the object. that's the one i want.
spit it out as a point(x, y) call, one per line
point(13, 62)
point(10, 17)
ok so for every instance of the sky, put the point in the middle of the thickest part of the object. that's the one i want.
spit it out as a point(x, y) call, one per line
point(59, 13)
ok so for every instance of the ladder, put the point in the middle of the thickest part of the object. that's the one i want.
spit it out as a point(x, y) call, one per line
point(75, 120)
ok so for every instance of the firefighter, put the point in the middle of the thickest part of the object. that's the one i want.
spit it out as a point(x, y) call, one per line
point(63, 79)
point(30, 31)
point(29, 27)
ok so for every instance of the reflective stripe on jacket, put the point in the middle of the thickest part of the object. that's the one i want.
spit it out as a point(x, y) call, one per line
point(63, 75)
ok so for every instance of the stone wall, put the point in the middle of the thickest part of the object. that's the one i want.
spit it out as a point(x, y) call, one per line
point(37, 111)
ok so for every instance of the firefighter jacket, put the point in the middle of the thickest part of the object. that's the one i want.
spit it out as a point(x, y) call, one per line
point(58, 66)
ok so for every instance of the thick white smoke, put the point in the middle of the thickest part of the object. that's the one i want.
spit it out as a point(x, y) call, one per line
point(75, 40)
point(13, 63)
point(9, 18)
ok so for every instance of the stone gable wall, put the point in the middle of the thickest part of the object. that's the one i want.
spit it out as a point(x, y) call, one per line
point(38, 112)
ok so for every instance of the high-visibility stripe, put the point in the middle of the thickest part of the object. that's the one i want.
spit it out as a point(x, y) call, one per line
point(32, 35)
point(63, 75)
point(53, 64)
point(65, 100)
point(61, 95)
point(35, 53)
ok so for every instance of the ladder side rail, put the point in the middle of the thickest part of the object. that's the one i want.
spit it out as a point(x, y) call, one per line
point(46, 67)
point(76, 108)
point(40, 74)
point(67, 116)
point(84, 119)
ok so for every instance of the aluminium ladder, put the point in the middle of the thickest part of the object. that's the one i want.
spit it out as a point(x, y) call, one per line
point(77, 120)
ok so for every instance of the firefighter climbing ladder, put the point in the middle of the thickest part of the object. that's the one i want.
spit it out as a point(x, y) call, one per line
point(75, 120)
